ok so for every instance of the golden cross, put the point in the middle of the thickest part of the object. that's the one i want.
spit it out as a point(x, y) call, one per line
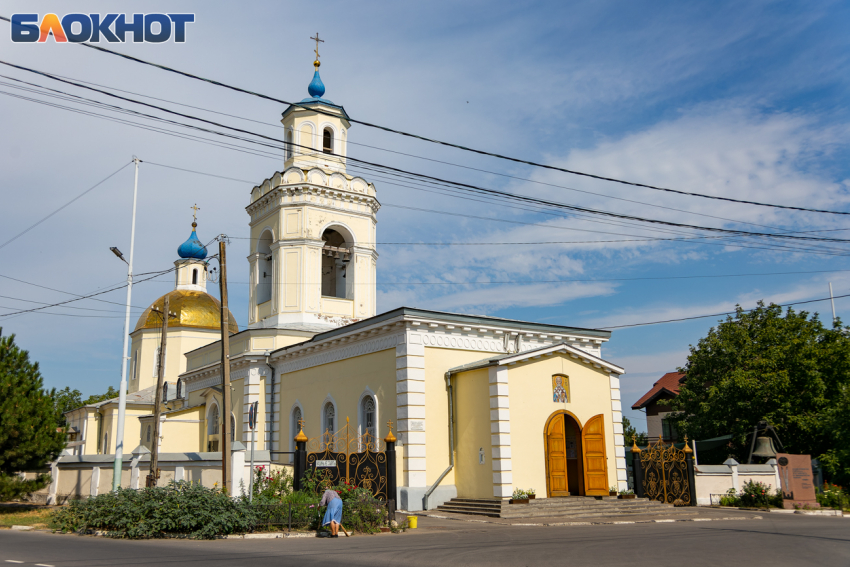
point(301, 424)
point(195, 208)
point(317, 44)
point(390, 424)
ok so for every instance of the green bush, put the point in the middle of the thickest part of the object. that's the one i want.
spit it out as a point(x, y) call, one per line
point(832, 496)
point(181, 509)
point(759, 495)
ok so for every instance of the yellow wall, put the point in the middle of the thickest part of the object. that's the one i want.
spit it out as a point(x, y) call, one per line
point(345, 380)
point(146, 342)
point(472, 432)
point(437, 362)
point(530, 394)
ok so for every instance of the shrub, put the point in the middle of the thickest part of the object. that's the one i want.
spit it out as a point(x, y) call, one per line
point(270, 485)
point(832, 496)
point(759, 495)
point(181, 509)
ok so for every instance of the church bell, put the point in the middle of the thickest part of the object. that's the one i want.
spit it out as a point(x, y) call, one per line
point(764, 448)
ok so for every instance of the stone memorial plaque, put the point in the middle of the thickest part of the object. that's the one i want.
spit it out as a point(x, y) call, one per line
point(330, 463)
point(795, 477)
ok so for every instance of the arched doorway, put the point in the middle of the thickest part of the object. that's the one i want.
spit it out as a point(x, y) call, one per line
point(576, 462)
point(564, 466)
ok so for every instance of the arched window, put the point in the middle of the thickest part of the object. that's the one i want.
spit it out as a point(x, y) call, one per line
point(367, 410)
point(148, 434)
point(106, 443)
point(335, 260)
point(294, 428)
point(212, 421)
point(329, 418)
point(265, 267)
point(232, 429)
point(195, 276)
point(328, 141)
point(287, 152)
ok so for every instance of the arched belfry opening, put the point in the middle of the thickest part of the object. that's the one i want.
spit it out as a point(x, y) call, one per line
point(265, 268)
point(328, 141)
point(337, 279)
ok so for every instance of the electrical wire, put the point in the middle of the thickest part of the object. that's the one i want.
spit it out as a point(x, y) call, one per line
point(448, 144)
point(720, 314)
point(65, 205)
point(470, 187)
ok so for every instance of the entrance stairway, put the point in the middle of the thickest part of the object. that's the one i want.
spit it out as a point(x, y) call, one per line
point(568, 507)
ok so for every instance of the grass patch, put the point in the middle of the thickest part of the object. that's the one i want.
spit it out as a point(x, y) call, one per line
point(37, 517)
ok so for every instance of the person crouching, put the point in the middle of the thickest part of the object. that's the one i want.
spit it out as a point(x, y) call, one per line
point(333, 515)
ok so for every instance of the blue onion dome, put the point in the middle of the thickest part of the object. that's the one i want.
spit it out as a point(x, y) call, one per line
point(192, 248)
point(317, 87)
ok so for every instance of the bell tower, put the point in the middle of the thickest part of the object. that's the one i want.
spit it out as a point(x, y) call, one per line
point(313, 258)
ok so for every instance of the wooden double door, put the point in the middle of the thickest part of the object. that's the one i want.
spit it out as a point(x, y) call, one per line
point(576, 463)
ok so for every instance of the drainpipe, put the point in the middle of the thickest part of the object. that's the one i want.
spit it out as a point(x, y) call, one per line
point(451, 442)
point(271, 409)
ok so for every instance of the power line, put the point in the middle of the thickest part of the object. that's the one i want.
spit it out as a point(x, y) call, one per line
point(46, 306)
point(466, 186)
point(69, 307)
point(449, 144)
point(720, 314)
point(349, 142)
point(65, 205)
point(774, 247)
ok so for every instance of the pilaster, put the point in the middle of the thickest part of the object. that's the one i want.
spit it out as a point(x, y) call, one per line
point(500, 432)
point(410, 401)
point(619, 440)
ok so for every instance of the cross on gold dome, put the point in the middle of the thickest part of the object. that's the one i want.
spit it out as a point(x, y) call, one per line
point(316, 62)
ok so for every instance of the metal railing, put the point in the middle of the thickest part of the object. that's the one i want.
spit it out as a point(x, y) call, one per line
point(306, 516)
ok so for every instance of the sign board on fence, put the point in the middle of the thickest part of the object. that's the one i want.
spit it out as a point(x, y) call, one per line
point(795, 476)
point(325, 463)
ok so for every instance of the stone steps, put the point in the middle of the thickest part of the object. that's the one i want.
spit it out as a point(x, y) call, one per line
point(570, 507)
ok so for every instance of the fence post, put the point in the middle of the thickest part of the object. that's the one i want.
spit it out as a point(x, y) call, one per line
point(390, 440)
point(689, 460)
point(300, 458)
point(638, 471)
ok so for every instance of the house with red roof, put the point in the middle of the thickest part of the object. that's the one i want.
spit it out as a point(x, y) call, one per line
point(656, 403)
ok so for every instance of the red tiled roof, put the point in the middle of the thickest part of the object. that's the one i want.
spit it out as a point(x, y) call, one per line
point(668, 383)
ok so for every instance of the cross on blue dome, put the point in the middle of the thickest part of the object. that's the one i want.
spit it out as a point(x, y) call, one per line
point(192, 248)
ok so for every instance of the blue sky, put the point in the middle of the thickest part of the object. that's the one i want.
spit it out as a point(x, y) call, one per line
point(745, 100)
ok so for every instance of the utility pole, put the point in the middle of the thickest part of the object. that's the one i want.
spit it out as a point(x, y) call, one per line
point(118, 465)
point(153, 477)
point(226, 481)
point(833, 303)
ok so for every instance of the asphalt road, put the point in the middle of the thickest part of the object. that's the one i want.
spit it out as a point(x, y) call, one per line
point(776, 540)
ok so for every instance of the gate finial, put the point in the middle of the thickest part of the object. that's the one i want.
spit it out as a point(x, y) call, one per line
point(390, 438)
point(635, 448)
point(301, 436)
point(687, 448)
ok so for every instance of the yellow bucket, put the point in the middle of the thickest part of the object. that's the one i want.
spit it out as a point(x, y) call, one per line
point(412, 521)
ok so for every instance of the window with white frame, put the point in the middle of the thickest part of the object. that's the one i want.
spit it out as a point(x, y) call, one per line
point(134, 370)
point(329, 419)
point(212, 421)
point(367, 417)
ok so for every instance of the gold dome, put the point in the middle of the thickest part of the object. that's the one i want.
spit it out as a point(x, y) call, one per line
point(194, 309)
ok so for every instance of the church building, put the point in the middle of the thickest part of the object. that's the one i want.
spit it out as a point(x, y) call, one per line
point(480, 405)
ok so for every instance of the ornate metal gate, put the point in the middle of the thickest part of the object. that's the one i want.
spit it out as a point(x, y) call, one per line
point(361, 460)
point(665, 473)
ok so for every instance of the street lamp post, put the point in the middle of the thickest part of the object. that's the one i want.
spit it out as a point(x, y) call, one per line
point(122, 395)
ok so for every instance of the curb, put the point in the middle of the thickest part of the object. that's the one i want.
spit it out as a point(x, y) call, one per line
point(603, 523)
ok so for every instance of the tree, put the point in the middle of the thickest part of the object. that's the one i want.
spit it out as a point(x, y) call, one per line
point(631, 434)
point(789, 371)
point(97, 398)
point(66, 400)
point(29, 436)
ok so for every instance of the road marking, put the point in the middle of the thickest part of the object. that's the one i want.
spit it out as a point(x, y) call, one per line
point(13, 561)
point(42, 565)
point(663, 521)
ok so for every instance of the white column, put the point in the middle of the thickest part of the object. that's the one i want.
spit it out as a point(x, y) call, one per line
point(251, 394)
point(252, 287)
point(776, 478)
point(733, 467)
point(95, 481)
point(619, 439)
point(500, 432)
point(271, 431)
point(410, 400)
point(54, 482)
point(237, 469)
